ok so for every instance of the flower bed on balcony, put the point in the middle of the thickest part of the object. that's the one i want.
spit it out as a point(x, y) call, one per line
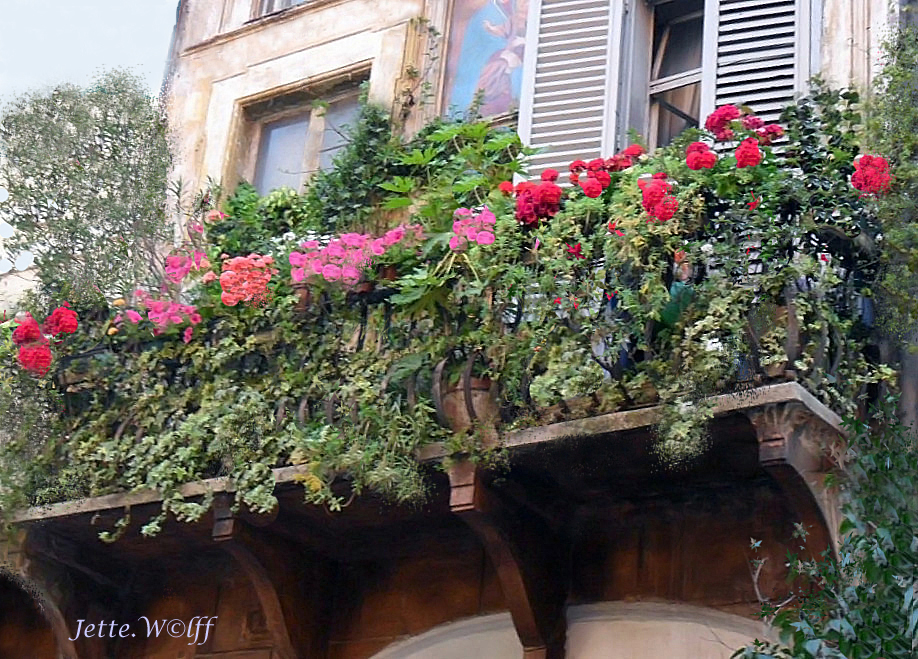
point(415, 294)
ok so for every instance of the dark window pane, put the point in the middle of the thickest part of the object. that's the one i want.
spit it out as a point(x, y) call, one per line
point(683, 48)
point(280, 154)
point(688, 100)
point(338, 115)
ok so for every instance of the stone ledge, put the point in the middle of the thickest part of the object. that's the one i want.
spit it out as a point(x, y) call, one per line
point(606, 423)
point(632, 419)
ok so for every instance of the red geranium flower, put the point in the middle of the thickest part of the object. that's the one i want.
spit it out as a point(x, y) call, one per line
point(665, 209)
point(751, 122)
point(578, 166)
point(603, 177)
point(618, 162)
point(27, 332)
point(506, 187)
point(591, 187)
point(769, 133)
point(719, 120)
point(748, 154)
point(63, 320)
point(633, 151)
point(871, 176)
point(699, 156)
point(36, 358)
point(596, 164)
point(653, 192)
point(550, 175)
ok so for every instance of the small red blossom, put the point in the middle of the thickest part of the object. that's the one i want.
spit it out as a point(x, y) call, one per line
point(665, 209)
point(506, 187)
point(653, 191)
point(751, 122)
point(619, 162)
point(575, 251)
point(755, 202)
point(613, 229)
point(577, 166)
point(603, 177)
point(550, 175)
point(698, 155)
point(596, 164)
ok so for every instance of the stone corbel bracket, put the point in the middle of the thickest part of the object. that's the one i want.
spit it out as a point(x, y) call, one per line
point(799, 446)
point(18, 565)
point(526, 555)
point(233, 535)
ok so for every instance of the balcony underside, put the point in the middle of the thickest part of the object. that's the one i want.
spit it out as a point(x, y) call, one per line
point(582, 513)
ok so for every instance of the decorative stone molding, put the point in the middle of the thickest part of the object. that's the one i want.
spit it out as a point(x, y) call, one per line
point(43, 585)
point(799, 448)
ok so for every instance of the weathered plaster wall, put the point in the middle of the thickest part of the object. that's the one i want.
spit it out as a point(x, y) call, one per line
point(852, 31)
point(13, 285)
point(215, 73)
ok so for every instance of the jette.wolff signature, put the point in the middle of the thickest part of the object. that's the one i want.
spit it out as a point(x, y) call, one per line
point(175, 628)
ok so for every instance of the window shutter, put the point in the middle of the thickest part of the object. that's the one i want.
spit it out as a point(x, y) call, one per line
point(762, 55)
point(565, 110)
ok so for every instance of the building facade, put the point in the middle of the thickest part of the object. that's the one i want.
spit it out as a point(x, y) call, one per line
point(582, 549)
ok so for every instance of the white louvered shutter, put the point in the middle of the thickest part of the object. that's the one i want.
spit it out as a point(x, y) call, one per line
point(762, 46)
point(570, 84)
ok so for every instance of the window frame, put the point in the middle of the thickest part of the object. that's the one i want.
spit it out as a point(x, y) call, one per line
point(259, 7)
point(657, 86)
point(253, 113)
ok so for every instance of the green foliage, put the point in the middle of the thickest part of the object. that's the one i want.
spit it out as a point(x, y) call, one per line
point(86, 171)
point(255, 223)
point(893, 132)
point(861, 605)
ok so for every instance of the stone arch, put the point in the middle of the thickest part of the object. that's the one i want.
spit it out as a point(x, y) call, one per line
point(605, 630)
point(613, 630)
point(28, 620)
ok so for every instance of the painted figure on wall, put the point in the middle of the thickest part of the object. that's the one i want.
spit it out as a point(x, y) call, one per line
point(486, 43)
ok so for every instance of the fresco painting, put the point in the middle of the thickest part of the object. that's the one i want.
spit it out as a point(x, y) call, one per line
point(487, 39)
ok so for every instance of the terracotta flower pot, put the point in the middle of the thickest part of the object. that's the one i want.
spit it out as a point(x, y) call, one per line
point(364, 287)
point(387, 273)
point(456, 411)
point(471, 402)
point(304, 293)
